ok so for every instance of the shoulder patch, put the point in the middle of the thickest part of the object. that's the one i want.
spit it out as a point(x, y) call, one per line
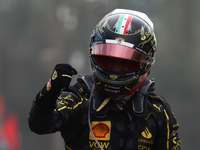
point(157, 102)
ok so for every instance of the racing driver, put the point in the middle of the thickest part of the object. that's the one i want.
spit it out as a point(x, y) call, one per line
point(115, 107)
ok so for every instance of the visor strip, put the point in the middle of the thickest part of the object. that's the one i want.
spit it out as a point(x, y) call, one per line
point(119, 42)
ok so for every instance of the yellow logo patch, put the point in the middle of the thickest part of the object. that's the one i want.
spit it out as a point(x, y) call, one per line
point(146, 134)
point(55, 75)
point(113, 77)
point(101, 130)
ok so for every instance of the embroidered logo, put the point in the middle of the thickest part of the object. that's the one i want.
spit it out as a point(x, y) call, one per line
point(101, 130)
point(158, 107)
point(55, 75)
point(146, 134)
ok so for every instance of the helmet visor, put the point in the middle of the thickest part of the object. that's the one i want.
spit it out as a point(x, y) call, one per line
point(116, 64)
point(119, 51)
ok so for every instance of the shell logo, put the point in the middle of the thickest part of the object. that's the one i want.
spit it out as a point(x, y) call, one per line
point(101, 130)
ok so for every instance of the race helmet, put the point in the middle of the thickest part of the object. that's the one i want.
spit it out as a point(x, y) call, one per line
point(122, 51)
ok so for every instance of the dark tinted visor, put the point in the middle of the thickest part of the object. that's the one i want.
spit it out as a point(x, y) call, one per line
point(119, 51)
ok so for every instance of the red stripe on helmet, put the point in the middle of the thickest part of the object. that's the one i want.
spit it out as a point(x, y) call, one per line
point(127, 24)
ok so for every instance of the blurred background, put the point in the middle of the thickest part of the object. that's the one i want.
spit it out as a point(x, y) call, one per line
point(35, 35)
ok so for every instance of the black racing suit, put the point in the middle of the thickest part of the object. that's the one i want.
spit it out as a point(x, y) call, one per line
point(145, 122)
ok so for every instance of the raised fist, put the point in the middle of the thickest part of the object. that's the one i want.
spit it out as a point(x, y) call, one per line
point(60, 78)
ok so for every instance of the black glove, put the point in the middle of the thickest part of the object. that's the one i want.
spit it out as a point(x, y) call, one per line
point(61, 77)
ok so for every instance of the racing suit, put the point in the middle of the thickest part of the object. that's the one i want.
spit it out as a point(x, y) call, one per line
point(144, 122)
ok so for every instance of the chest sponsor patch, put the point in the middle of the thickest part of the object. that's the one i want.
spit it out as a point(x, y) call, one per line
point(101, 130)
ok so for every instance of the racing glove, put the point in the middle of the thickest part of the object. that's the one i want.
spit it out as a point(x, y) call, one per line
point(60, 78)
